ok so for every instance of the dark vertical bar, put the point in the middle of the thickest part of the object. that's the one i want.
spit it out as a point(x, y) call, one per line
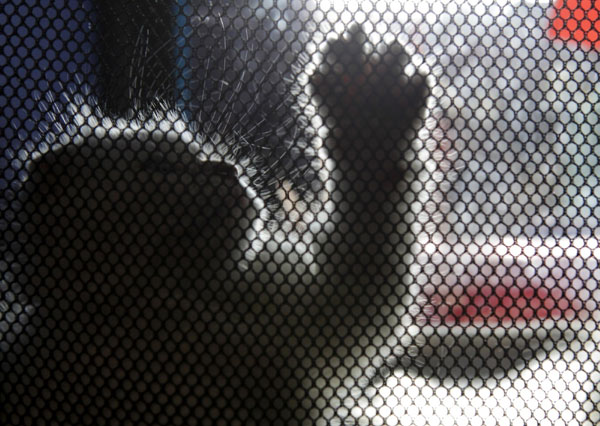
point(137, 51)
point(183, 30)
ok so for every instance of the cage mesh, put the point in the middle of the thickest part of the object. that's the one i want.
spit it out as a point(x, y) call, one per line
point(299, 212)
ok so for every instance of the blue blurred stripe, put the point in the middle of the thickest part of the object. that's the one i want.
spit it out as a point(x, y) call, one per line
point(45, 46)
point(182, 31)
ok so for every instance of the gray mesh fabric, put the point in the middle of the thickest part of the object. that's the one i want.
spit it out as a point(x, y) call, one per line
point(299, 212)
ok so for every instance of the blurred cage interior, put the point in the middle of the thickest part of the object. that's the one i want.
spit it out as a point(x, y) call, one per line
point(299, 212)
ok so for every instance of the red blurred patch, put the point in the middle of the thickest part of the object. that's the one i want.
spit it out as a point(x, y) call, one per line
point(500, 305)
point(576, 21)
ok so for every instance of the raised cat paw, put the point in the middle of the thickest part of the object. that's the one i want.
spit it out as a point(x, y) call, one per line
point(372, 100)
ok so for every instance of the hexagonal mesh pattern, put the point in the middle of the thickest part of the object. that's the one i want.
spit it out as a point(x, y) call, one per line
point(299, 212)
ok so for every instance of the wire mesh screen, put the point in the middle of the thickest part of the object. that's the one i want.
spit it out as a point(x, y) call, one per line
point(299, 212)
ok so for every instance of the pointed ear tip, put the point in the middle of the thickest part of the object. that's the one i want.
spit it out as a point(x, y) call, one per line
point(354, 28)
point(356, 32)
